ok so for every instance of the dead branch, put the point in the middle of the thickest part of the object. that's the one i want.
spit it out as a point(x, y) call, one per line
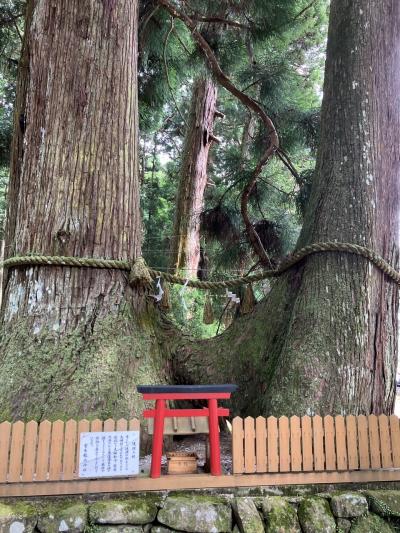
point(219, 20)
point(212, 137)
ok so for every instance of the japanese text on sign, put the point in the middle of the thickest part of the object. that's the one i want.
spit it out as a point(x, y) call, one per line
point(109, 454)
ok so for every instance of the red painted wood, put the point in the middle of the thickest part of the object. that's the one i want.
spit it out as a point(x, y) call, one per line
point(187, 396)
point(158, 435)
point(150, 413)
point(161, 412)
point(215, 453)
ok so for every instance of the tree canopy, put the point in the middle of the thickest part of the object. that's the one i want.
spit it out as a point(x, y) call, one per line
point(273, 55)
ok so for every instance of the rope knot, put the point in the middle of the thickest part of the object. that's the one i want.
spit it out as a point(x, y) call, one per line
point(140, 274)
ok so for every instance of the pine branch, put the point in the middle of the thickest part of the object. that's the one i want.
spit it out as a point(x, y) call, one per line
point(17, 30)
point(144, 20)
point(181, 42)
point(250, 103)
point(252, 85)
point(198, 17)
point(288, 164)
point(167, 73)
point(281, 191)
point(238, 180)
point(148, 18)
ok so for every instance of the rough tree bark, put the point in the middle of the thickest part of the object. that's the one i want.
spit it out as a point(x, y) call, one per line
point(326, 338)
point(185, 244)
point(71, 340)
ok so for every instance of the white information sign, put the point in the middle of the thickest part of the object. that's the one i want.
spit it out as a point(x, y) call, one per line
point(109, 454)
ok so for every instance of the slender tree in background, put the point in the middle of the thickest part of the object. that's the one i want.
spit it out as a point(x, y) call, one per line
point(261, 50)
point(185, 246)
point(69, 340)
point(325, 340)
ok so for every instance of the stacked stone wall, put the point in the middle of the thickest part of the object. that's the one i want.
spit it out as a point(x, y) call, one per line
point(364, 511)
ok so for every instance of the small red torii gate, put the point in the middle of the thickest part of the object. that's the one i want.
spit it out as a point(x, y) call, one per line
point(162, 393)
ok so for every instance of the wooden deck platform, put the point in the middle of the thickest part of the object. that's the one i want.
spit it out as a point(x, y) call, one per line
point(193, 481)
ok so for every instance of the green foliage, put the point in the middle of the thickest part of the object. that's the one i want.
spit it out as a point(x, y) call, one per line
point(6, 109)
point(277, 59)
point(3, 195)
point(165, 56)
point(273, 50)
point(11, 26)
point(187, 311)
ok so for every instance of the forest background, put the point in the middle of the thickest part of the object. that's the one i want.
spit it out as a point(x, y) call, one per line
point(277, 58)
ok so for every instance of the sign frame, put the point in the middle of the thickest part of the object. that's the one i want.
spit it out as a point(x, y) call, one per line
point(108, 454)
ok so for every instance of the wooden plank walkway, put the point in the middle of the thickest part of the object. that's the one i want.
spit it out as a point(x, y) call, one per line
point(195, 481)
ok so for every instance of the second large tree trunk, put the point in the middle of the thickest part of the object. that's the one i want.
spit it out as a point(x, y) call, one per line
point(185, 247)
point(340, 347)
point(325, 340)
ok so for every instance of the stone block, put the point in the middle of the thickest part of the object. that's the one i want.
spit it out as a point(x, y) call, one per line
point(17, 518)
point(280, 515)
point(349, 505)
point(119, 529)
point(136, 511)
point(371, 523)
point(247, 516)
point(65, 517)
point(343, 525)
point(384, 502)
point(315, 516)
point(196, 514)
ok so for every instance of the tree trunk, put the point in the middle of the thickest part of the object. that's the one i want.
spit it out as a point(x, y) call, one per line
point(348, 319)
point(153, 184)
point(247, 139)
point(326, 339)
point(185, 246)
point(72, 341)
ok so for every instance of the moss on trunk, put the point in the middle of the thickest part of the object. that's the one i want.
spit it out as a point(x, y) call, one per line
point(81, 374)
point(75, 342)
point(325, 340)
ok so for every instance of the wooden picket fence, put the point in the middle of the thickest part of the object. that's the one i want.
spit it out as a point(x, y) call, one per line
point(43, 459)
point(48, 451)
point(315, 444)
